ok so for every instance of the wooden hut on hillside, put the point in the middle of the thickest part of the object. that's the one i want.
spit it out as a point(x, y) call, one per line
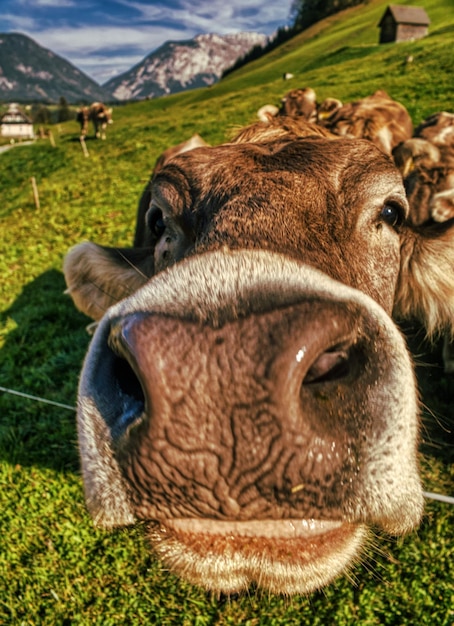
point(403, 23)
point(15, 124)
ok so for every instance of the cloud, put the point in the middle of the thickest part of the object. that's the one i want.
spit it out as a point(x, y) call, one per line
point(107, 37)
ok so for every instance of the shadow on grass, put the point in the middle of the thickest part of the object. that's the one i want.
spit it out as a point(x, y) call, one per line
point(45, 342)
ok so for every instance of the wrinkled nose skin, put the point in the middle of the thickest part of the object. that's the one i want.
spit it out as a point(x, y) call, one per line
point(249, 405)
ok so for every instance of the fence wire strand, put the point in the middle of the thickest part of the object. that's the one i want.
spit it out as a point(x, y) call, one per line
point(427, 494)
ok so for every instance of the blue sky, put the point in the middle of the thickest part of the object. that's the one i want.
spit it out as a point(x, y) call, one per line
point(103, 38)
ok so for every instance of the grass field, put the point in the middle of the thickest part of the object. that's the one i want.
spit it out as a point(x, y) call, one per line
point(55, 568)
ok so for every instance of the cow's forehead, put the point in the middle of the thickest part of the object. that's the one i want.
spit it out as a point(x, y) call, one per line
point(348, 166)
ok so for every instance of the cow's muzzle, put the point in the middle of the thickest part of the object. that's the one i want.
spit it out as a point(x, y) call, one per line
point(238, 387)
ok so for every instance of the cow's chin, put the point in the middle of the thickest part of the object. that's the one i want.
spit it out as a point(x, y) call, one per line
point(290, 556)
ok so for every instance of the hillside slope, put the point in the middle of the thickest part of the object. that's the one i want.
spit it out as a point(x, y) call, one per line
point(341, 57)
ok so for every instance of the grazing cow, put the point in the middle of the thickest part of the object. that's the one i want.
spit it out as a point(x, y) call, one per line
point(248, 396)
point(99, 115)
point(378, 118)
point(82, 117)
point(300, 102)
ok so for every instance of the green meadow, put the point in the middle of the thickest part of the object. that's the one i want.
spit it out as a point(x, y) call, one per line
point(55, 567)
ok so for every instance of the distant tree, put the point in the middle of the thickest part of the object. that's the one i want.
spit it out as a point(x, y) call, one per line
point(64, 112)
point(41, 115)
point(307, 12)
point(283, 34)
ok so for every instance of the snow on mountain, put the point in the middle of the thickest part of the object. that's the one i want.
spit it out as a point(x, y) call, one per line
point(181, 65)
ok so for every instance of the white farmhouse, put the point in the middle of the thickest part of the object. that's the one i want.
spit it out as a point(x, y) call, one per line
point(14, 124)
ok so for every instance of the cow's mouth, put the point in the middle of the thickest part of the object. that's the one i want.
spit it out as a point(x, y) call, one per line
point(234, 555)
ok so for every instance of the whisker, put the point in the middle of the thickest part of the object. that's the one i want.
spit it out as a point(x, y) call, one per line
point(131, 264)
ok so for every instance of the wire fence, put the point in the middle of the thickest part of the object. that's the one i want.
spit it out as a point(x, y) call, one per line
point(427, 494)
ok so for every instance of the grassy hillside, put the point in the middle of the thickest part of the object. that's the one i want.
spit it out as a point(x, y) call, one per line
point(55, 569)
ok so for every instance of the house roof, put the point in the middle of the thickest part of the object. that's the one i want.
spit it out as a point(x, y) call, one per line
point(407, 15)
point(14, 115)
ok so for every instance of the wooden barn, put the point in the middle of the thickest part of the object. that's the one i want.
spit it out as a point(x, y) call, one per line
point(14, 124)
point(403, 23)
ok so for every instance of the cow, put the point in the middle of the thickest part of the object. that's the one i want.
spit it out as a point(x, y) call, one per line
point(296, 103)
point(438, 128)
point(426, 162)
point(267, 112)
point(247, 396)
point(299, 102)
point(378, 117)
point(326, 109)
point(82, 117)
point(99, 115)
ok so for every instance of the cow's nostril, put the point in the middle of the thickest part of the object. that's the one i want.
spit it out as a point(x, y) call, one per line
point(129, 386)
point(331, 365)
point(129, 398)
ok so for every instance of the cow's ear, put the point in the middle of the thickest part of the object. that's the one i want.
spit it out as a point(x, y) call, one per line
point(97, 277)
point(425, 288)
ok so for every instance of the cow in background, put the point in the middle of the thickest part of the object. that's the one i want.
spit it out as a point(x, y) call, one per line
point(426, 162)
point(300, 103)
point(378, 118)
point(82, 118)
point(296, 103)
point(99, 115)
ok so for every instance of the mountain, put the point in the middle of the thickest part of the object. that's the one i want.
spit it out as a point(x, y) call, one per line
point(29, 72)
point(181, 65)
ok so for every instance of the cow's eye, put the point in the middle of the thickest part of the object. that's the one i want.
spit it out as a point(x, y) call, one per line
point(155, 222)
point(392, 214)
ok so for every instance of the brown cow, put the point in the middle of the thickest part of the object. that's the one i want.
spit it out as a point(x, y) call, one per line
point(300, 103)
point(82, 118)
point(378, 118)
point(427, 165)
point(326, 110)
point(99, 115)
point(250, 399)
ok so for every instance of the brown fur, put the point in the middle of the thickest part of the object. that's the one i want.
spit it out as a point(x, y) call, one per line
point(300, 103)
point(275, 128)
point(141, 237)
point(427, 165)
point(99, 115)
point(378, 118)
